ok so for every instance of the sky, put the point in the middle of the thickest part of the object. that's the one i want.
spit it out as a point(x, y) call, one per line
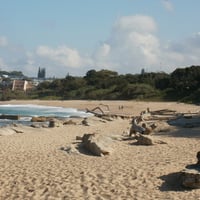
point(75, 36)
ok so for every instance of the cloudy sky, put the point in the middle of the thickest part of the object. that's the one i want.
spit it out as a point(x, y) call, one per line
point(74, 36)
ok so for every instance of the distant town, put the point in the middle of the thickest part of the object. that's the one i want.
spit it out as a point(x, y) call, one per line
point(17, 81)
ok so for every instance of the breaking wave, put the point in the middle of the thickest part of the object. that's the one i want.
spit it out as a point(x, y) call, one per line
point(27, 111)
point(30, 110)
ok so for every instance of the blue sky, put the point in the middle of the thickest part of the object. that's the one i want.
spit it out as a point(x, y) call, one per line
point(74, 36)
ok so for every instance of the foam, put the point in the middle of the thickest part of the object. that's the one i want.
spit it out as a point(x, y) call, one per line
point(30, 110)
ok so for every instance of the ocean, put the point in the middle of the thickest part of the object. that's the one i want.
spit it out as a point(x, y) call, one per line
point(27, 111)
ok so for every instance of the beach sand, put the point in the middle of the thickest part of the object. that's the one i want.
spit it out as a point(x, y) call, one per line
point(34, 166)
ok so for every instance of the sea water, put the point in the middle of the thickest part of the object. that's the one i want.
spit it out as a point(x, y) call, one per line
point(27, 111)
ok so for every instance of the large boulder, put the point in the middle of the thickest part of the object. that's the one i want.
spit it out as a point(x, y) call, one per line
point(97, 144)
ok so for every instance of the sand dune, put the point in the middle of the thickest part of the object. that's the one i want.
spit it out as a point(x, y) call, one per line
point(34, 166)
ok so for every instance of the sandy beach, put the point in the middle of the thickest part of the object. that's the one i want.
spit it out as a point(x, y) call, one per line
point(34, 166)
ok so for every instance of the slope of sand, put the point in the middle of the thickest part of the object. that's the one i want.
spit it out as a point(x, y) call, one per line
point(33, 166)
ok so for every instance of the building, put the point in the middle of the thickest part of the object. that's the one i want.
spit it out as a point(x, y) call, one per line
point(21, 85)
point(41, 73)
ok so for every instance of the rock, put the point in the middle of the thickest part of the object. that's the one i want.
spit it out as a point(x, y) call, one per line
point(144, 140)
point(79, 138)
point(85, 122)
point(147, 140)
point(11, 117)
point(97, 144)
point(35, 125)
point(54, 123)
point(148, 128)
point(69, 122)
point(190, 178)
point(38, 119)
point(70, 149)
point(44, 126)
point(198, 158)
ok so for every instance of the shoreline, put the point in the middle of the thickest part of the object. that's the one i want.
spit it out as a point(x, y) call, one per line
point(129, 107)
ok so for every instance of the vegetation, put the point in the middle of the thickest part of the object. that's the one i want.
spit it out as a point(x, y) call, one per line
point(181, 85)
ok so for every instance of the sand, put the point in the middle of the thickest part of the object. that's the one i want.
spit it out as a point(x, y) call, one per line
point(34, 166)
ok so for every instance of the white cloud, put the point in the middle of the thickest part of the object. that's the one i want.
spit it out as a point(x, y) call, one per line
point(62, 60)
point(62, 55)
point(132, 45)
point(182, 53)
point(138, 23)
point(102, 51)
point(168, 5)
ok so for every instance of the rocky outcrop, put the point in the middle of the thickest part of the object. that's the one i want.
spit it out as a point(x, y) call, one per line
point(97, 144)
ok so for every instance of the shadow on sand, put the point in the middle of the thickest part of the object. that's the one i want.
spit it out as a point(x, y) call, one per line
point(172, 182)
point(182, 132)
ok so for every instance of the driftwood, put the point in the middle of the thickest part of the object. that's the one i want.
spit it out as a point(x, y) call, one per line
point(163, 112)
point(93, 111)
point(185, 119)
point(163, 115)
point(107, 106)
point(107, 116)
